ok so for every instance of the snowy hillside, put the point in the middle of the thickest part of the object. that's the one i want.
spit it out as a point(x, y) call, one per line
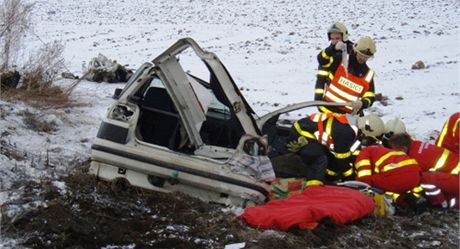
point(269, 47)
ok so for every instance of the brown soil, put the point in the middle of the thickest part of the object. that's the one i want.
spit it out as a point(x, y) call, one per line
point(94, 214)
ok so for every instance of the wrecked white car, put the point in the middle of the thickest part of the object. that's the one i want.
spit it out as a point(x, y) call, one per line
point(169, 130)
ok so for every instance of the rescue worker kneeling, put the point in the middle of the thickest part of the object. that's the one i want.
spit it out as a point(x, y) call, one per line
point(389, 170)
point(326, 142)
point(440, 169)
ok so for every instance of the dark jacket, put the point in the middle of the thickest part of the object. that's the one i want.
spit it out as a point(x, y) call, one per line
point(339, 159)
point(324, 57)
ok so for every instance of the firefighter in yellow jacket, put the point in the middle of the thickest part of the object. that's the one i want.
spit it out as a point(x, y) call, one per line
point(348, 80)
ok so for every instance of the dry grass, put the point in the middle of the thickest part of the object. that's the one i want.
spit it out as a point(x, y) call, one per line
point(51, 97)
point(36, 83)
point(11, 151)
point(33, 122)
point(40, 70)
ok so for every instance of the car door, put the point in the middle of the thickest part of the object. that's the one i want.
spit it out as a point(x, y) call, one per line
point(183, 89)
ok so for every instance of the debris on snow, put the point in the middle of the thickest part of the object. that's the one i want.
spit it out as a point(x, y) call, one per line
point(419, 65)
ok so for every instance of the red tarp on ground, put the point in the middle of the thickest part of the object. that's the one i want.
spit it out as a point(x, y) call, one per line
point(305, 210)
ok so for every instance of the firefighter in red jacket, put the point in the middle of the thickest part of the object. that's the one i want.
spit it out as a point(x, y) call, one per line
point(354, 82)
point(440, 168)
point(449, 137)
point(387, 169)
point(326, 143)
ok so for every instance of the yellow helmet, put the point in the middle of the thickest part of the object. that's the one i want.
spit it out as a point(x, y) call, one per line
point(365, 47)
point(371, 125)
point(339, 28)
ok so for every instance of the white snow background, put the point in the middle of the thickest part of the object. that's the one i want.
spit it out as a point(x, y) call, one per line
point(269, 47)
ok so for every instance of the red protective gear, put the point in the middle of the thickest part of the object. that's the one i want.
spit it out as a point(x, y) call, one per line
point(398, 180)
point(449, 136)
point(387, 169)
point(305, 210)
point(449, 184)
point(434, 158)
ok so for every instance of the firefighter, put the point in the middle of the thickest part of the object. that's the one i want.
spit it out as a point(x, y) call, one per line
point(393, 126)
point(449, 137)
point(349, 80)
point(327, 143)
point(337, 34)
point(440, 168)
point(387, 169)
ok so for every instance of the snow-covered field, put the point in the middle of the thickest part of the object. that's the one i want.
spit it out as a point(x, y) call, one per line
point(269, 47)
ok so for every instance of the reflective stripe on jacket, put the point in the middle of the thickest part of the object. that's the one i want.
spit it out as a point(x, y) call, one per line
point(449, 136)
point(376, 159)
point(324, 132)
point(345, 87)
point(433, 158)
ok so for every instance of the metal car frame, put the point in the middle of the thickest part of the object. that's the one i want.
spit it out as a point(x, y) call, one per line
point(167, 141)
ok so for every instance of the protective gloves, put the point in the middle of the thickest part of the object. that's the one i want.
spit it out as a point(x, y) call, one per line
point(295, 146)
point(339, 46)
point(417, 203)
point(356, 105)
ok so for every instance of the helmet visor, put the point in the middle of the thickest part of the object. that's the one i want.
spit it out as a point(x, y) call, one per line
point(366, 53)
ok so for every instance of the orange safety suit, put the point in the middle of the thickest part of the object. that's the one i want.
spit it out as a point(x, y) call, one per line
point(337, 84)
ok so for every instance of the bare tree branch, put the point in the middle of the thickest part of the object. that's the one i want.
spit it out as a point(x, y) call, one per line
point(14, 21)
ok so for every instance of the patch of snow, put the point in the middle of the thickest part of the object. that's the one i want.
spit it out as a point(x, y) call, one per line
point(178, 228)
point(235, 245)
point(60, 185)
point(232, 209)
point(417, 234)
point(130, 246)
point(269, 49)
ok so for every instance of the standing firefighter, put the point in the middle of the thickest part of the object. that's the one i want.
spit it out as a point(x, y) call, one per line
point(326, 144)
point(337, 34)
point(348, 79)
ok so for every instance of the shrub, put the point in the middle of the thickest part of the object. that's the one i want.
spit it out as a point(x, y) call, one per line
point(14, 22)
point(43, 67)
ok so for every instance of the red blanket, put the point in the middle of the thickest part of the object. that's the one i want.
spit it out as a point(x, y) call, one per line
point(305, 210)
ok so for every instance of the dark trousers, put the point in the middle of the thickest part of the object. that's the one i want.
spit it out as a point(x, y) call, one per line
point(309, 162)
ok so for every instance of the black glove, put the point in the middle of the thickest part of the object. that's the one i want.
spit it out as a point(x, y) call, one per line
point(416, 203)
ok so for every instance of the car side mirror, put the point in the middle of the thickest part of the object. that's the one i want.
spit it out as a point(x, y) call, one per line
point(116, 93)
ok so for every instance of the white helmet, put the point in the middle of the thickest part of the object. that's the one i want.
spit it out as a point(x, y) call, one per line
point(338, 27)
point(371, 125)
point(365, 46)
point(394, 126)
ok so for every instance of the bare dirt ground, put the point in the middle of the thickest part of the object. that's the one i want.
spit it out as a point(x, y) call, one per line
point(95, 214)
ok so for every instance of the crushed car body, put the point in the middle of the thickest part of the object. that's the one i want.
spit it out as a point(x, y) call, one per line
point(169, 130)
